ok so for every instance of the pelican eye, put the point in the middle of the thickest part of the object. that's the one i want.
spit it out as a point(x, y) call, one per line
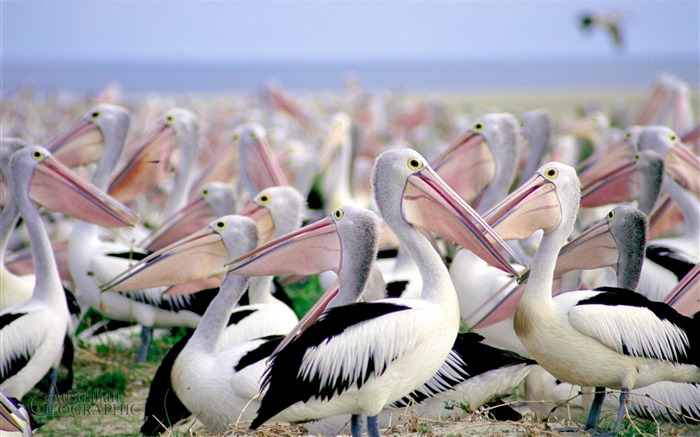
point(611, 214)
point(253, 135)
point(264, 198)
point(37, 154)
point(637, 157)
point(415, 164)
point(673, 138)
point(205, 192)
point(95, 115)
point(478, 127)
point(338, 214)
point(551, 173)
point(236, 137)
point(628, 135)
point(170, 118)
point(220, 225)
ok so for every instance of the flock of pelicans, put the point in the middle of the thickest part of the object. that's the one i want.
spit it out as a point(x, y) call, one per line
point(448, 272)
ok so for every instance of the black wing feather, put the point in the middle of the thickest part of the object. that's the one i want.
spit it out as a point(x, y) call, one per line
point(285, 388)
point(670, 259)
point(259, 353)
point(619, 296)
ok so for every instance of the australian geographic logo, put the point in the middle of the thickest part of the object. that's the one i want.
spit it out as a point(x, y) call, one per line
point(82, 404)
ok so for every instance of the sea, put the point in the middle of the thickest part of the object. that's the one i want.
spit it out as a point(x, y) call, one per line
point(618, 74)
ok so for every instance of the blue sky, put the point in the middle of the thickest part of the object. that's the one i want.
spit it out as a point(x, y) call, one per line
point(245, 31)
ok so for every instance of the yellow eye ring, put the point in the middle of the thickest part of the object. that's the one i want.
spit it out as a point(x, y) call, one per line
point(551, 173)
point(673, 138)
point(611, 214)
point(338, 214)
point(415, 164)
point(170, 118)
point(205, 192)
point(37, 155)
point(95, 115)
point(478, 127)
point(220, 225)
point(264, 199)
point(628, 135)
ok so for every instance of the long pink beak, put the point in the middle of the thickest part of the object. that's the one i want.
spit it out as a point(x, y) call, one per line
point(617, 181)
point(59, 189)
point(313, 249)
point(683, 166)
point(198, 257)
point(468, 166)
point(685, 296)
point(82, 144)
point(429, 203)
point(150, 164)
point(522, 212)
point(262, 166)
point(192, 217)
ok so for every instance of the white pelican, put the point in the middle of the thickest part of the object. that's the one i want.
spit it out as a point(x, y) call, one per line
point(94, 261)
point(189, 262)
point(33, 332)
point(254, 152)
point(615, 339)
point(358, 358)
point(169, 150)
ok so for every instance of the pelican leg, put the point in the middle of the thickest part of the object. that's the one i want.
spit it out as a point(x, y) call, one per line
point(356, 425)
point(372, 426)
point(596, 406)
point(621, 412)
point(52, 388)
point(146, 336)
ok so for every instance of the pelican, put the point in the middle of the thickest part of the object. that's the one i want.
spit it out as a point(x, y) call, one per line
point(195, 260)
point(33, 332)
point(93, 260)
point(358, 358)
point(608, 338)
point(170, 147)
point(275, 211)
point(255, 151)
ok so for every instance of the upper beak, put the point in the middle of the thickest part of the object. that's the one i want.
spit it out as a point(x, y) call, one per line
point(313, 249)
point(520, 213)
point(59, 189)
point(684, 167)
point(615, 181)
point(82, 144)
point(262, 218)
point(148, 167)
point(192, 217)
point(685, 296)
point(598, 165)
point(429, 203)
point(197, 257)
point(594, 248)
point(468, 166)
point(262, 167)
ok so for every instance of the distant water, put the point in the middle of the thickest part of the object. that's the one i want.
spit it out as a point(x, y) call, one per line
point(617, 74)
